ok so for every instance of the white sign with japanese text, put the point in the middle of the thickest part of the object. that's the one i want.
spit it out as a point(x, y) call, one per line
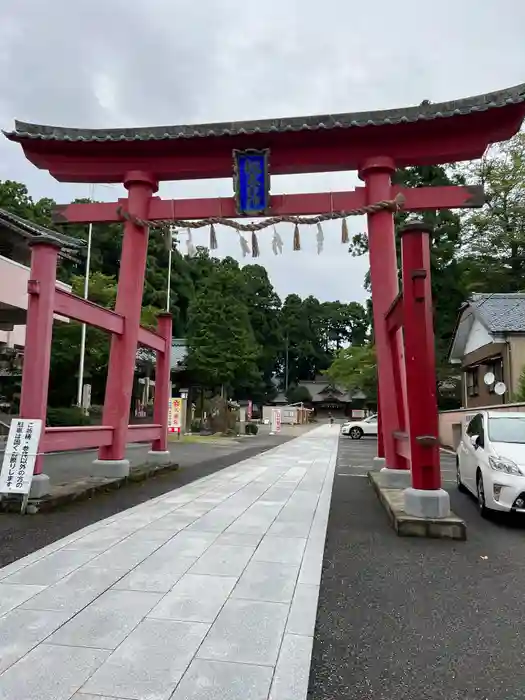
point(276, 421)
point(20, 455)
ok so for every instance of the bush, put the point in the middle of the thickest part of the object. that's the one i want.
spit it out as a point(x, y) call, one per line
point(96, 411)
point(251, 428)
point(230, 432)
point(65, 417)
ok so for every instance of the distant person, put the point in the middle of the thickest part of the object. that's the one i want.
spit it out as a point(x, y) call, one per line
point(330, 416)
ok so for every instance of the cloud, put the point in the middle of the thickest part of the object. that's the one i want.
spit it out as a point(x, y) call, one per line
point(113, 63)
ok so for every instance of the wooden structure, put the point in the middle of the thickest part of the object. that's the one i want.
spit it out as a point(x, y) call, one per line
point(373, 143)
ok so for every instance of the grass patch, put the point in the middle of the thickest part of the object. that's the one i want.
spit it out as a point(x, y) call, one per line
point(199, 439)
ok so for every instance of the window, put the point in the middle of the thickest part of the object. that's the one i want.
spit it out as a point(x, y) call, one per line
point(507, 430)
point(475, 428)
point(472, 380)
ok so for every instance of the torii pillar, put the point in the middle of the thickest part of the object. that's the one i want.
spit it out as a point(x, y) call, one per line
point(123, 353)
point(377, 173)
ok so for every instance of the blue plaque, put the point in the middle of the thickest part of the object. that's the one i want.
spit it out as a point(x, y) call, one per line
point(252, 182)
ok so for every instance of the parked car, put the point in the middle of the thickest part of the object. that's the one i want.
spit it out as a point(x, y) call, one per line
point(490, 461)
point(356, 429)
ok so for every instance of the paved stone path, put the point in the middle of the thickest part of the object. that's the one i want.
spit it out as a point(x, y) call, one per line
point(208, 592)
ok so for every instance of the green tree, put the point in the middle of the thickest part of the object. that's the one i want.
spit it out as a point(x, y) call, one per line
point(355, 368)
point(15, 197)
point(65, 347)
point(222, 350)
point(264, 308)
point(298, 394)
point(343, 324)
point(519, 396)
point(246, 352)
point(301, 339)
point(494, 236)
point(449, 287)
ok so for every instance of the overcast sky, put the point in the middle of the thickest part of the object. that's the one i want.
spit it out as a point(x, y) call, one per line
point(110, 63)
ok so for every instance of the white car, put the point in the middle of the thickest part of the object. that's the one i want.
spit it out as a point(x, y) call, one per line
point(490, 461)
point(356, 429)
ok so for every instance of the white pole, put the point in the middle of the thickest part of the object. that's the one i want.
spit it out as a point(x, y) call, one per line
point(168, 293)
point(86, 294)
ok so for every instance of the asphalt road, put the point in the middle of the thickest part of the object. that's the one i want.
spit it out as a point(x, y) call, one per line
point(21, 535)
point(416, 619)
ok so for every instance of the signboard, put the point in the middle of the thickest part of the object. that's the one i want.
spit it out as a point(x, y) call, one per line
point(20, 456)
point(249, 410)
point(252, 182)
point(358, 413)
point(275, 426)
point(175, 415)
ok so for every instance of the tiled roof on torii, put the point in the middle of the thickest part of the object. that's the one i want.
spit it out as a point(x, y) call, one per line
point(426, 111)
point(28, 231)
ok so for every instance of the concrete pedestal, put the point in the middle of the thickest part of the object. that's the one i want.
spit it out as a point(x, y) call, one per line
point(111, 468)
point(40, 486)
point(395, 478)
point(427, 513)
point(427, 504)
point(158, 457)
point(379, 462)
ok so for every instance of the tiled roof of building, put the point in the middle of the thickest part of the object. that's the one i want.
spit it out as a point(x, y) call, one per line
point(500, 313)
point(28, 230)
point(424, 112)
point(324, 391)
point(179, 353)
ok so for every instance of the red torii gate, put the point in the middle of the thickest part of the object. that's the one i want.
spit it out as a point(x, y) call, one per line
point(374, 144)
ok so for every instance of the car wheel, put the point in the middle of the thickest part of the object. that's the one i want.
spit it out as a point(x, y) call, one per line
point(482, 505)
point(461, 486)
point(356, 433)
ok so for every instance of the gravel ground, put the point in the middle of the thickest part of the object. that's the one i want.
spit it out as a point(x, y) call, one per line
point(20, 536)
point(414, 619)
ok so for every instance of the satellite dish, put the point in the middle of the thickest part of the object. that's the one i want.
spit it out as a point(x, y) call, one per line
point(489, 378)
point(500, 388)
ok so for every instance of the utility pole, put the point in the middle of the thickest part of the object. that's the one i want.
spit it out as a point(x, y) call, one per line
point(80, 386)
point(286, 367)
point(86, 294)
point(169, 245)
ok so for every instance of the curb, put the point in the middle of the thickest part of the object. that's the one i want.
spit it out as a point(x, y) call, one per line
point(451, 528)
point(63, 494)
